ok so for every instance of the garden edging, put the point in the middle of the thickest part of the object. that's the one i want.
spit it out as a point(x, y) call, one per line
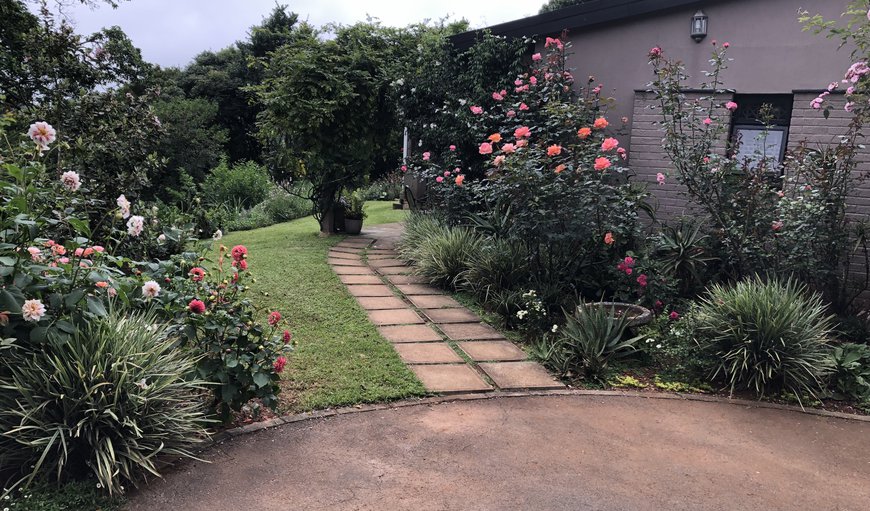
point(437, 400)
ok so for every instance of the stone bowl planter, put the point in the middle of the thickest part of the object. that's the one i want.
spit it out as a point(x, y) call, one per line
point(635, 314)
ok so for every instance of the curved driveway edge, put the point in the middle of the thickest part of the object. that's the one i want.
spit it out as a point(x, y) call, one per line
point(534, 452)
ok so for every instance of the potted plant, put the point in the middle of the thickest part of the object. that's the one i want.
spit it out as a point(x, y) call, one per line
point(354, 212)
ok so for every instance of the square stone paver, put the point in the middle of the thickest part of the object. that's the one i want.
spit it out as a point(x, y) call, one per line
point(344, 255)
point(381, 257)
point(450, 378)
point(520, 375)
point(371, 303)
point(382, 263)
point(360, 279)
point(461, 315)
point(418, 289)
point(395, 317)
point(407, 279)
point(409, 333)
point(345, 262)
point(395, 270)
point(486, 351)
point(427, 353)
point(433, 301)
point(355, 242)
point(346, 250)
point(370, 290)
point(352, 270)
point(470, 331)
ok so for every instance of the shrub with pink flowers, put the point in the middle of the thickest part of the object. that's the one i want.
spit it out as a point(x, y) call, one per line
point(58, 276)
point(552, 177)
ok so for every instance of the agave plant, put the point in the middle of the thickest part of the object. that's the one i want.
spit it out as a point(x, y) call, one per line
point(113, 401)
point(768, 336)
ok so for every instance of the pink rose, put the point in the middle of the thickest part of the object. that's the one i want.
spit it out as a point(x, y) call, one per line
point(533, 80)
point(536, 57)
point(523, 107)
point(660, 178)
point(439, 179)
point(511, 113)
point(508, 148)
point(485, 148)
point(609, 144)
point(497, 96)
point(452, 148)
point(426, 156)
point(731, 106)
point(476, 110)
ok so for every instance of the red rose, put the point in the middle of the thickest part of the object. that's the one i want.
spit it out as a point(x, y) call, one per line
point(287, 337)
point(274, 318)
point(279, 364)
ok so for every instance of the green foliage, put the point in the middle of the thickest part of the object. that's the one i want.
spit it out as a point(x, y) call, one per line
point(354, 208)
point(389, 187)
point(850, 376)
point(443, 256)
point(244, 184)
point(108, 402)
point(767, 336)
point(591, 340)
point(498, 265)
point(683, 250)
point(554, 5)
point(192, 142)
point(73, 496)
point(418, 228)
point(626, 381)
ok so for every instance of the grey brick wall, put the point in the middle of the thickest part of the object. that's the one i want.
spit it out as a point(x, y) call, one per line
point(647, 158)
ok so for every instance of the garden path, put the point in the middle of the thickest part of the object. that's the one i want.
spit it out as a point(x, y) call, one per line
point(446, 345)
point(541, 453)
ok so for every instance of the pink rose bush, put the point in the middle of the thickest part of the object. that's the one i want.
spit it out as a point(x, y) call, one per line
point(60, 276)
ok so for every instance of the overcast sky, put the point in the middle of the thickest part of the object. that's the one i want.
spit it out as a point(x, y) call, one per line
point(172, 32)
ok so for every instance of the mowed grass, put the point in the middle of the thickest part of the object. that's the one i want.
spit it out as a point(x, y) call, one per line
point(340, 358)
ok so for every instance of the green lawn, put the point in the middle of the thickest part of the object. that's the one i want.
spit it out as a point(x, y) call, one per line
point(340, 358)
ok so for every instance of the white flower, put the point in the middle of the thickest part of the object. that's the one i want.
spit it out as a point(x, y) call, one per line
point(42, 133)
point(71, 180)
point(124, 204)
point(150, 289)
point(142, 384)
point(33, 310)
point(555, 327)
point(161, 238)
point(658, 346)
point(522, 314)
point(135, 225)
point(218, 234)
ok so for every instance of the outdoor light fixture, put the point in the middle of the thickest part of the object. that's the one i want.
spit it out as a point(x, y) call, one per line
point(699, 26)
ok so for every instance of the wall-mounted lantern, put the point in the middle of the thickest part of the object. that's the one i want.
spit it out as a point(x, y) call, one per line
point(699, 26)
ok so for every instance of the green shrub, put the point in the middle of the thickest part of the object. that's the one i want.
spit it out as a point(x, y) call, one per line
point(283, 207)
point(591, 340)
point(418, 228)
point(850, 378)
point(443, 257)
point(73, 496)
point(388, 187)
point(766, 336)
point(243, 184)
point(498, 265)
point(109, 402)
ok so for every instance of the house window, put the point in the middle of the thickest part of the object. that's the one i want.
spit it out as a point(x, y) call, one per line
point(759, 128)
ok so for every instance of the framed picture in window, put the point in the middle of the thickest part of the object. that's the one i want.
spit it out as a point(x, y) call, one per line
point(757, 143)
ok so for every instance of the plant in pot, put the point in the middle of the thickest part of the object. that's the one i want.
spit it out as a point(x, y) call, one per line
point(354, 213)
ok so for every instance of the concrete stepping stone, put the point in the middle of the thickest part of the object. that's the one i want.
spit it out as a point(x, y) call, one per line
point(462, 315)
point(357, 245)
point(344, 255)
point(434, 301)
point(380, 257)
point(450, 378)
point(380, 263)
point(417, 289)
point(370, 290)
point(352, 270)
point(360, 279)
point(427, 353)
point(488, 351)
point(520, 375)
point(371, 303)
point(346, 250)
point(344, 262)
point(409, 333)
point(407, 279)
point(470, 331)
point(395, 270)
point(403, 316)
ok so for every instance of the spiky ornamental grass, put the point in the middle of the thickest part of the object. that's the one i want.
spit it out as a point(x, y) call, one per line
point(767, 336)
point(113, 402)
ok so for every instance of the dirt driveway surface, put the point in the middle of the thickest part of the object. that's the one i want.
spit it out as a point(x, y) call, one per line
point(536, 453)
